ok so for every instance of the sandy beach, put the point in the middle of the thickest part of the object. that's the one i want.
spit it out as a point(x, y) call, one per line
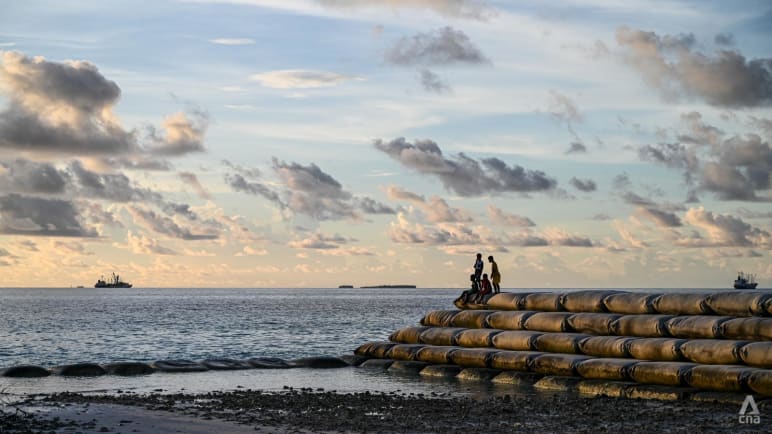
point(319, 411)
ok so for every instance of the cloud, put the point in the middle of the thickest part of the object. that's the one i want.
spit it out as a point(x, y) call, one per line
point(563, 109)
point(501, 217)
point(251, 251)
point(399, 193)
point(671, 65)
point(33, 216)
point(59, 108)
point(402, 231)
point(464, 175)
point(749, 214)
point(144, 245)
point(432, 82)
point(192, 180)
point(167, 226)
point(661, 218)
point(443, 46)
point(371, 206)
point(585, 185)
point(576, 148)
point(319, 241)
point(475, 9)
point(301, 79)
point(724, 39)
point(559, 237)
point(181, 134)
point(724, 231)
point(24, 176)
point(115, 187)
point(232, 41)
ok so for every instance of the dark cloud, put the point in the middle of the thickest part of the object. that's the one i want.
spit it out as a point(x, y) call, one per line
point(765, 125)
point(24, 176)
point(671, 65)
point(399, 193)
point(464, 175)
point(726, 39)
point(432, 82)
point(634, 199)
point(585, 185)
point(166, 226)
point(313, 192)
point(33, 216)
point(239, 183)
point(115, 187)
point(601, 217)
point(444, 46)
point(621, 182)
point(59, 108)
point(320, 242)
point(192, 180)
point(371, 206)
point(576, 148)
point(661, 218)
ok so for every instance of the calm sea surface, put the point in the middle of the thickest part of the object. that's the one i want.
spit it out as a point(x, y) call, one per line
point(57, 326)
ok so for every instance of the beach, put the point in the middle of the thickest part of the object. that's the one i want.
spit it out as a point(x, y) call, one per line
point(319, 411)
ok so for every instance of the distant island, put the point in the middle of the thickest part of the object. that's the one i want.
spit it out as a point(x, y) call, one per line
point(388, 286)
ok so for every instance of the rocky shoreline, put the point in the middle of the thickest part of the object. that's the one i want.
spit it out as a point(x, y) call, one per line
point(308, 410)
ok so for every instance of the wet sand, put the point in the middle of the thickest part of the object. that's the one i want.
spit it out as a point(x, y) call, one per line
point(310, 410)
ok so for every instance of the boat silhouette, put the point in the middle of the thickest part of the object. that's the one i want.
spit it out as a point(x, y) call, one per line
point(114, 282)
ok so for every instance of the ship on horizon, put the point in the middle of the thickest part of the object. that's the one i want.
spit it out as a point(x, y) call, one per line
point(745, 281)
point(115, 282)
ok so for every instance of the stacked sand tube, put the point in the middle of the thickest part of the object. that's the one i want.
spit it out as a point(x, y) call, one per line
point(614, 343)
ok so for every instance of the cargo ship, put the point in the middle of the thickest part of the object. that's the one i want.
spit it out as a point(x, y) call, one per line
point(745, 281)
point(115, 282)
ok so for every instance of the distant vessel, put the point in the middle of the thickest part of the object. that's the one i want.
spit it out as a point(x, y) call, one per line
point(745, 281)
point(345, 286)
point(389, 286)
point(115, 282)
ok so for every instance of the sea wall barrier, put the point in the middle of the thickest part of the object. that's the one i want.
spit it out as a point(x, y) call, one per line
point(615, 343)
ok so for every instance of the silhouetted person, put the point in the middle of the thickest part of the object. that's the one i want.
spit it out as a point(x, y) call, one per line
point(470, 293)
point(478, 268)
point(495, 275)
point(485, 289)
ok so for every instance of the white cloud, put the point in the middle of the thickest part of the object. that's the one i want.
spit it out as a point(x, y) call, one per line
point(232, 41)
point(301, 79)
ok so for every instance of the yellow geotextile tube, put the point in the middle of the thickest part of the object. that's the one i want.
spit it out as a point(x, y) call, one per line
point(659, 349)
point(548, 322)
point(408, 335)
point(641, 325)
point(471, 319)
point(696, 326)
point(509, 320)
point(374, 349)
point(758, 354)
point(560, 342)
point(439, 318)
point(440, 335)
point(476, 337)
point(682, 304)
point(442, 371)
point(741, 303)
point(753, 329)
point(543, 301)
point(504, 301)
point(760, 381)
point(585, 301)
point(613, 389)
point(606, 368)
point(605, 346)
point(557, 364)
point(404, 351)
point(518, 340)
point(630, 303)
point(665, 373)
point(725, 378)
point(473, 357)
point(435, 354)
point(593, 323)
point(713, 351)
point(514, 360)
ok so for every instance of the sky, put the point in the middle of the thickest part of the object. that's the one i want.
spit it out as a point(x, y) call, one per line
point(315, 143)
